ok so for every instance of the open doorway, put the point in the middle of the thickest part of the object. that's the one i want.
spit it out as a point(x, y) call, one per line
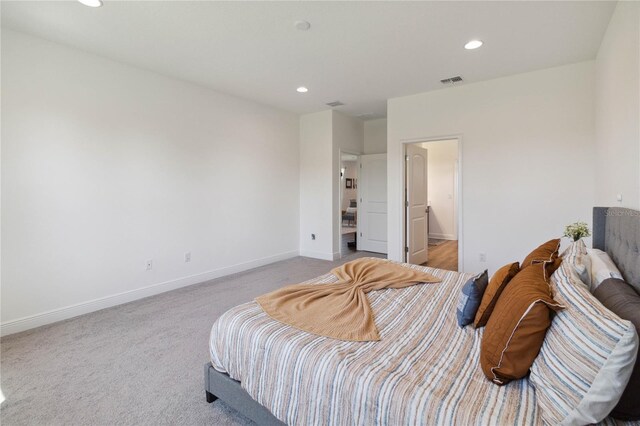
point(348, 203)
point(432, 203)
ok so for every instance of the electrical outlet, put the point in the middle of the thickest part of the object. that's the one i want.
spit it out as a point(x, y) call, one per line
point(483, 257)
point(313, 236)
point(149, 264)
point(187, 257)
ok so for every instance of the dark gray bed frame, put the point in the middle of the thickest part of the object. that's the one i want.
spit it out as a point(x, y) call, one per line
point(220, 385)
point(616, 230)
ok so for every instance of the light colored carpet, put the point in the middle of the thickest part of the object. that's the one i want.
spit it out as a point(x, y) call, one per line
point(138, 363)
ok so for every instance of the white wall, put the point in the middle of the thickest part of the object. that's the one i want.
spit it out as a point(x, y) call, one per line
point(375, 136)
point(323, 136)
point(348, 136)
point(316, 191)
point(527, 158)
point(442, 161)
point(618, 110)
point(105, 166)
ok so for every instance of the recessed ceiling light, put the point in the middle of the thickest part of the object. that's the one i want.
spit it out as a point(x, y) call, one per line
point(473, 44)
point(91, 3)
point(302, 89)
point(302, 25)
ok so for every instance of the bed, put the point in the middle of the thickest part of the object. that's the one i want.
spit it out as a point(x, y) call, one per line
point(424, 370)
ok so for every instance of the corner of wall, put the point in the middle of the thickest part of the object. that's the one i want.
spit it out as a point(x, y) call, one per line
point(617, 110)
point(375, 136)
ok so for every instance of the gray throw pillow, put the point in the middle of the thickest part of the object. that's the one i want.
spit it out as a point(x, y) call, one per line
point(470, 298)
point(623, 300)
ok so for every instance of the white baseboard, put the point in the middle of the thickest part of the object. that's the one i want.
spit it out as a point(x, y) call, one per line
point(33, 321)
point(319, 255)
point(443, 236)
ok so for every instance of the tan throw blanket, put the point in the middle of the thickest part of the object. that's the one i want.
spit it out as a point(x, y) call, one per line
point(340, 310)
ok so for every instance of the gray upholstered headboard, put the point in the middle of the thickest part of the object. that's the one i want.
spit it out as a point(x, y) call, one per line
point(616, 230)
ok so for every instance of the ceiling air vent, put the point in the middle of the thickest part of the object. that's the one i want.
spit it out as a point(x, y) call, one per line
point(335, 104)
point(451, 80)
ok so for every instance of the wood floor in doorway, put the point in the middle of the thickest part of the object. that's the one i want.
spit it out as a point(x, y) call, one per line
point(444, 256)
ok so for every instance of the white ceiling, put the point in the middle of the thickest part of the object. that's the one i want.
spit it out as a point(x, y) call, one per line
point(360, 53)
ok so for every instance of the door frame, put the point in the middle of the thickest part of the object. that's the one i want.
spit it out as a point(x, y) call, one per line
point(340, 190)
point(459, 220)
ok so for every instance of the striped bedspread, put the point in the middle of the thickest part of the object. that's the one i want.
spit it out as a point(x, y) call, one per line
point(424, 371)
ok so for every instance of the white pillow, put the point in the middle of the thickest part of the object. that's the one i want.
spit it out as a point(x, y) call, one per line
point(583, 269)
point(602, 267)
point(576, 255)
point(586, 359)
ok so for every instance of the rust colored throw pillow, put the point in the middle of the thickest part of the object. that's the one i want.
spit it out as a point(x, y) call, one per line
point(498, 282)
point(544, 253)
point(516, 328)
point(622, 299)
point(551, 266)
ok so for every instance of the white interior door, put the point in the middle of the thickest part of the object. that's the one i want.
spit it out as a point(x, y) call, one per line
point(372, 210)
point(416, 205)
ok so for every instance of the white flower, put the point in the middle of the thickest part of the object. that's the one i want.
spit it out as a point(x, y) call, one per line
point(577, 230)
